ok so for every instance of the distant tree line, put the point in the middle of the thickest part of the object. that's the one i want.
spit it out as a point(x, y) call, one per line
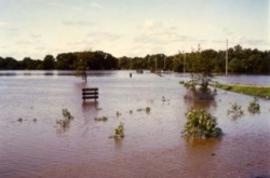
point(251, 61)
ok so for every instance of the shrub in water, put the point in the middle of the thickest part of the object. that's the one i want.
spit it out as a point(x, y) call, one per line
point(254, 107)
point(66, 114)
point(101, 119)
point(119, 131)
point(235, 111)
point(201, 124)
point(65, 122)
point(118, 114)
point(147, 110)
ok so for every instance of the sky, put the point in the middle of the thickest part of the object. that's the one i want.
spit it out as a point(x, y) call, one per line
point(34, 28)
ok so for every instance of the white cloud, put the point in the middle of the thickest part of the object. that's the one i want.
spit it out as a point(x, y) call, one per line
point(3, 24)
point(80, 23)
point(95, 5)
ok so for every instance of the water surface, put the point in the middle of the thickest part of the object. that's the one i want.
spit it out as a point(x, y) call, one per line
point(153, 145)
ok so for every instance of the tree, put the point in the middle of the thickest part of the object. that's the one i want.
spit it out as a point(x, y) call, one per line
point(48, 62)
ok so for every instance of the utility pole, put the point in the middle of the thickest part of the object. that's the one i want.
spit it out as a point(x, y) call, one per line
point(164, 63)
point(155, 64)
point(199, 47)
point(184, 64)
point(226, 70)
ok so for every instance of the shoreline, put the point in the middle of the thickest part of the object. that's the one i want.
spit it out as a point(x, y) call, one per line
point(253, 90)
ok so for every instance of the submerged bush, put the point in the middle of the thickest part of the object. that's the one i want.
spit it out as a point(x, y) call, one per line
point(119, 131)
point(147, 110)
point(198, 88)
point(201, 124)
point(118, 114)
point(235, 111)
point(103, 119)
point(66, 114)
point(254, 106)
point(67, 117)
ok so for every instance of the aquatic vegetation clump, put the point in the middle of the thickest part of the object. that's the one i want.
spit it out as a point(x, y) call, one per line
point(235, 111)
point(147, 110)
point(66, 114)
point(101, 119)
point(254, 107)
point(119, 131)
point(67, 117)
point(201, 124)
point(198, 88)
point(20, 119)
point(118, 114)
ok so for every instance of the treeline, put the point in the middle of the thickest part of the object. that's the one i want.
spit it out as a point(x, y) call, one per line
point(251, 61)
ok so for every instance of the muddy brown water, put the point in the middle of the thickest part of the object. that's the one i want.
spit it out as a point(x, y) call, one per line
point(152, 147)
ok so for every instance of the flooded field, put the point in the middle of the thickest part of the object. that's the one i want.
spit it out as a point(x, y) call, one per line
point(153, 145)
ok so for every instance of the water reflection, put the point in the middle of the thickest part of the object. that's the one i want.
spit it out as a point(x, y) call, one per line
point(61, 129)
point(118, 143)
point(200, 104)
point(210, 142)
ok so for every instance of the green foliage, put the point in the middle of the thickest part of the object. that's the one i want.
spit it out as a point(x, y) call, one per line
point(235, 111)
point(257, 91)
point(254, 107)
point(48, 62)
point(201, 124)
point(119, 131)
point(207, 61)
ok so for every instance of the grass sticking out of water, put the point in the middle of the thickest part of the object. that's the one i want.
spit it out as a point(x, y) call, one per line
point(146, 109)
point(67, 117)
point(101, 119)
point(254, 107)
point(119, 131)
point(258, 91)
point(235, 111)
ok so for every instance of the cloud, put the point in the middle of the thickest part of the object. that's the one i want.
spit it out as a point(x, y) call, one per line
point(80, 23)
point(153, 32)
point(253, 41)
point(95, 5)
point(3, 24)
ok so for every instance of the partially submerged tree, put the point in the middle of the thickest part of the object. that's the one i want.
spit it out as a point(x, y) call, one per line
point(201, 73)
point(82, 65)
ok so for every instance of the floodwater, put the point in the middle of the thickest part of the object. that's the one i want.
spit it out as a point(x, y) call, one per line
point(153, 146)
